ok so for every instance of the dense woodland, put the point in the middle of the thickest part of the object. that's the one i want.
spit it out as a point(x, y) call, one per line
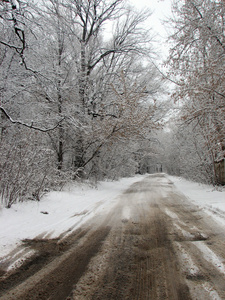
point(196, 65)
point(81, 96)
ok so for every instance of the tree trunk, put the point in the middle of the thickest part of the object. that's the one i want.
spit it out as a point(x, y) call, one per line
point(79, 149)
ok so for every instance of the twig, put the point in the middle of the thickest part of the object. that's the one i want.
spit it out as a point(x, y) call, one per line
point(31, 126)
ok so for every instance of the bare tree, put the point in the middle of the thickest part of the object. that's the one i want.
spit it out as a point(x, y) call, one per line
point(197, 60)
point(99, 59)
point(12, 16)
point(61, 79)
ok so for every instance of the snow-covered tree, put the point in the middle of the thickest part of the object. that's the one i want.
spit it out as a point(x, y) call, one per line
point(86, 96)
point(197, 62)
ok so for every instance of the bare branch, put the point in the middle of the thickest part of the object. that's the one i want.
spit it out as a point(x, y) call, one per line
point(31, 126)
point(209, 27)
point(18, 49)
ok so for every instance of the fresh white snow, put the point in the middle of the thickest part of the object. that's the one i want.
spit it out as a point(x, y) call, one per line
point(57, 212)
point(206, 197)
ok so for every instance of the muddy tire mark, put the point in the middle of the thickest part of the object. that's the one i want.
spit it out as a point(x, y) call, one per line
point(64, 272)
point(153, 244)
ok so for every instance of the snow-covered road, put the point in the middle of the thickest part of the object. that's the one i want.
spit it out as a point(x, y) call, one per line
point(139, 238)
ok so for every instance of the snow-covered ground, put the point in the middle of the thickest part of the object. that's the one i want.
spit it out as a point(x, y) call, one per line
point(209, 199)
point(58, 212)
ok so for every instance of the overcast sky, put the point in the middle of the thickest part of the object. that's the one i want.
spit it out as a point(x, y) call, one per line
point(161, 9)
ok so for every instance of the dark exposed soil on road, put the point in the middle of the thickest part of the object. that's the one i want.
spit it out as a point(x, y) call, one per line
point(153, 244)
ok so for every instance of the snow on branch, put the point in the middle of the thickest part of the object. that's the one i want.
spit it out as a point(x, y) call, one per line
point(31, 126)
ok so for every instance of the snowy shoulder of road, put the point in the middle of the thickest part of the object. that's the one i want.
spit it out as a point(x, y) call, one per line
point(57, 212)
point(207, 197)
point(64, 211)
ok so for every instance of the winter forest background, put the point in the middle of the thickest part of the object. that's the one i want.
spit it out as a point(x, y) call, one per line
point(82, 96)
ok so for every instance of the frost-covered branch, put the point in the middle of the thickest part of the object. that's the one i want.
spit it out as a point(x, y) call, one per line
point(31, 125)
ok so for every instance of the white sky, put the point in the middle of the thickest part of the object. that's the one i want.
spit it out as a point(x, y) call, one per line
point(161, 9)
